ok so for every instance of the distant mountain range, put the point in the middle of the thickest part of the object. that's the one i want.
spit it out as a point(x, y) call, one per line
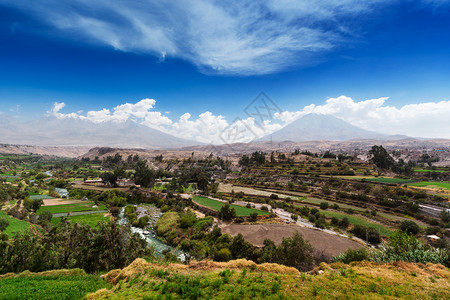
point(317, 127)
point(52, 131)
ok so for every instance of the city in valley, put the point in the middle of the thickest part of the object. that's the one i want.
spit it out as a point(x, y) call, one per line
point(239, 150)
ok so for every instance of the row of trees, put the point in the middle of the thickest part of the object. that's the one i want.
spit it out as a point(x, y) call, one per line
point(105, 247)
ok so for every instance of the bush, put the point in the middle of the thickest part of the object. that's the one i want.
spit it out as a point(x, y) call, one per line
point(253, 217)
point(45, 216)
point(404, 247)
point(368, 234)
point(3, 224)
point(274, 196)
point(323, 205)
point(352, 255)
point(223, 254)
point(344, 223)
point(409, 227)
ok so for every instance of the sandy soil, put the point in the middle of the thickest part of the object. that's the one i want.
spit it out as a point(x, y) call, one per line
point(59, 201)
point(331, 245)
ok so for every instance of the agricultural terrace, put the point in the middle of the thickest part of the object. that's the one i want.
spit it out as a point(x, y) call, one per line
point(217, 205)
point(15, 225)
point(88, 219)
point(74, 207)
point(56, 284)
point(433, 184)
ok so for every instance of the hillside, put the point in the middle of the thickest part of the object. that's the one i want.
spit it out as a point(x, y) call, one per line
point(314, 127)
point(241, 279)
point(238, 279)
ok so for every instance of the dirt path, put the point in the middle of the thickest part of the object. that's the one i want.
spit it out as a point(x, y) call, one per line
point(331, 245)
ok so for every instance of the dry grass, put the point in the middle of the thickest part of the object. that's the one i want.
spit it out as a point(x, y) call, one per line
point(358, 280)
point(62, 272)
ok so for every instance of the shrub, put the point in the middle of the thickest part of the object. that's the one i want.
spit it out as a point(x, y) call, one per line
point(3, 224)
point(223, 254)
point(274, 196)
point(253, 217)
point(323, 205)
point(352, 255)
point(404, 247)
point(45, 216)
point(409, 227)
point(344, 223)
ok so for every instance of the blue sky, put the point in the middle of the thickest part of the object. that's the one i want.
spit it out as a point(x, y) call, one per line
point(198, 56)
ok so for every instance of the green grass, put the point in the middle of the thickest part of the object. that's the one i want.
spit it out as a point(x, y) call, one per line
point(444, 185)
point(50, 287)
point(391, 217)
point(167, 222)
point(91, 219)
point(433, 171)
point(357, 220)
point(15, 225)
point(217, 205)
point(74, 207)
point(388, 180)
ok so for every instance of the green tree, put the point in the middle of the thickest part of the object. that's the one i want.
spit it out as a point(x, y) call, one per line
point(45, 217)
point(3, 224)
point(381, 158)
point(409, 227)
point(227, 212)
point(144, 176)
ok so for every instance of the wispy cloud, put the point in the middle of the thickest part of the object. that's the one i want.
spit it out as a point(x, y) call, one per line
point(222, 37)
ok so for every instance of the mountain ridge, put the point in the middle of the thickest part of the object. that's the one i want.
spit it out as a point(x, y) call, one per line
point(320, 127)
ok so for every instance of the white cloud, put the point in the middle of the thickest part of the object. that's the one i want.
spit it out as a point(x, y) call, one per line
point(226, 37)
point(429, 119)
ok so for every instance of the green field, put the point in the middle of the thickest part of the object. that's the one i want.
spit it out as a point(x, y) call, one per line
point(91, 219)
point(51, 287)
point(391, 217)
point(388, 180)
point(444, 185)
point(217, 205)
point(357, 220)
point(432, 171)
point(15, 225)
point(74, 207)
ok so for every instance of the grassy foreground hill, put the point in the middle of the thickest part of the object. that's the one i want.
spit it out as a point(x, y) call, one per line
point(238, 279)
point(242, 279)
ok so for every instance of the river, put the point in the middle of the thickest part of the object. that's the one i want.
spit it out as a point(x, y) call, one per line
point(149, 233)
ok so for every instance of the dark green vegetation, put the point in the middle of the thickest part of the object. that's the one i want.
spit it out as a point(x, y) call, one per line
point(73, 284)
point(401, 246)
point(105, 247)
